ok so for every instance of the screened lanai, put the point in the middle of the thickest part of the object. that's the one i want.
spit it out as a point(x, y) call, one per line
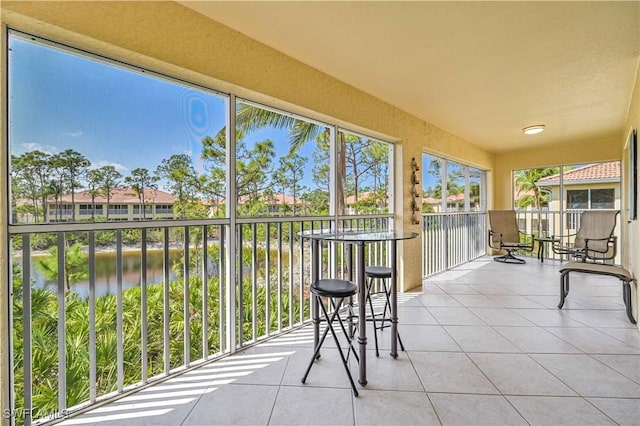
point(160, 160)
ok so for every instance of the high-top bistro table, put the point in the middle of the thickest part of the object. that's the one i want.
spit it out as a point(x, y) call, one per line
point(358, 237)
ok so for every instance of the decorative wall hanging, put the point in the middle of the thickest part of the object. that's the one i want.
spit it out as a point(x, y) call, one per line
point(416, 204)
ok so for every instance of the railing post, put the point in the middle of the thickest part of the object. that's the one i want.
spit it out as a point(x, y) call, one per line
point(301, 272)
point(62, 352)
point(143, 303)
point(267, 265)
point(165, 315)
point(92, 318)
point(254, 281)
point(205, 293)
point(26, 330)
point(279, 260)
point(222, 289)
point(119, 327)
point(291, 292)
point(240, 301)
point(186, 300)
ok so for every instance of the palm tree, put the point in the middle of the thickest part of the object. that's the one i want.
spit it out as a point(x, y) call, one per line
point(250, 118)
point(529, 194)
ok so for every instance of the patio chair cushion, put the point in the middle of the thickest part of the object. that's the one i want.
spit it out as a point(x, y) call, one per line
point(504, 227)
point(599, 269)
point(594, 241)
point(596, 227)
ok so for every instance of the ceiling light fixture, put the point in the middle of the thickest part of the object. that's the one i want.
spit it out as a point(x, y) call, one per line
point(533, 130)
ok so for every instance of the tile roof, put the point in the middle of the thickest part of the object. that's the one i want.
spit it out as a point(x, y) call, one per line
point(592, 172)
point(121, 196)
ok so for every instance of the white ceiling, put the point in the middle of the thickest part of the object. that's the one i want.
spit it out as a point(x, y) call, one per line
point(479, 70)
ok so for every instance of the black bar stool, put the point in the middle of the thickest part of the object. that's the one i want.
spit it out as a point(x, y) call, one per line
point(335, 290)
point(383, 274)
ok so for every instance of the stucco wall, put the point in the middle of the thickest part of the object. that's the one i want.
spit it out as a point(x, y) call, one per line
point(631, 230)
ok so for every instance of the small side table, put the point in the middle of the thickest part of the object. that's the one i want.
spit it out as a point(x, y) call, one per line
point(542, 242)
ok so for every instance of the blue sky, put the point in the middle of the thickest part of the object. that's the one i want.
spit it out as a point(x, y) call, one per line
point(112, 115)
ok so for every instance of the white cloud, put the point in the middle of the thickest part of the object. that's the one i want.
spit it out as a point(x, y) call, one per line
point(74, 134)
point(47, 149)
point(119, 167)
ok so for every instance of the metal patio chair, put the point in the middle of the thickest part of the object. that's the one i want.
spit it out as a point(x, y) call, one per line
point(594, 240)
point(504, 235)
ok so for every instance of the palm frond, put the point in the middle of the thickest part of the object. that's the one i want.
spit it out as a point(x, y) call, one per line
point(300, 133)
point(250, 118)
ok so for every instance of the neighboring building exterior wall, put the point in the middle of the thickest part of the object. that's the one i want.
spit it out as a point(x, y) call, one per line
point(567, 207)
point(124, 204)
point(117, 211)
point(630, 234)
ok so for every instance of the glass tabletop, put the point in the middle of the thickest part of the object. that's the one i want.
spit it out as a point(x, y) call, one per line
point(358, 235)
point(546, 239)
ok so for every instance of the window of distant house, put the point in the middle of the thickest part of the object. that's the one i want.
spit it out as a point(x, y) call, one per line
point(137, 209)
point(603, 198)
point(584, 199)
point(88, 209)
point(164, 208)
point(88, 126)
point(578, 199)
point(119, 209)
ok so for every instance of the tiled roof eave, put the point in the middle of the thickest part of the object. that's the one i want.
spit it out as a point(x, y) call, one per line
point(578, 182)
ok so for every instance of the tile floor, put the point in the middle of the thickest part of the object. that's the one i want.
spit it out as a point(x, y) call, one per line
point(485, 344)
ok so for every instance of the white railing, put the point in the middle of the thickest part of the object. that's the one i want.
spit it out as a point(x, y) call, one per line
point(102, 309)
point(451, 239)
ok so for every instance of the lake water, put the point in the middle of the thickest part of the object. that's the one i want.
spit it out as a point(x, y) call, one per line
point(106, 277)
